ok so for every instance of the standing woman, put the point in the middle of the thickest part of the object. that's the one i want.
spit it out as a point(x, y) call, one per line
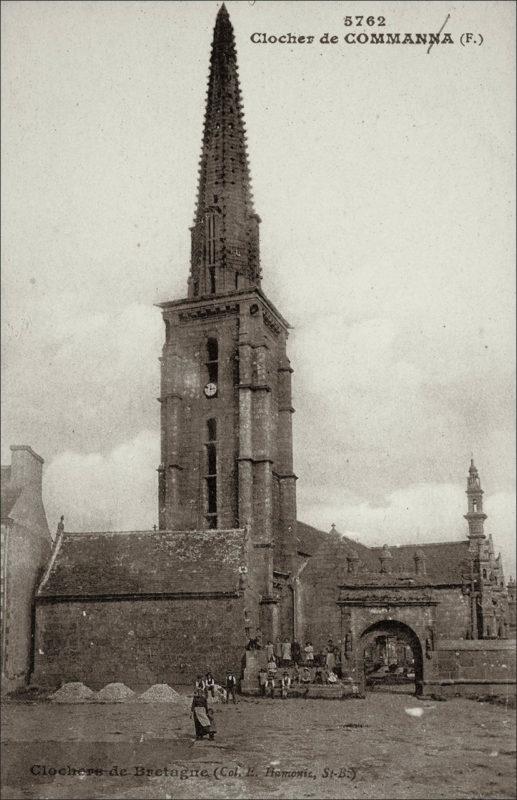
point(199, 712)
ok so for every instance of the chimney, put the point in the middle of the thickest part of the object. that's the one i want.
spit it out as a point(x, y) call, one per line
point(26, 468)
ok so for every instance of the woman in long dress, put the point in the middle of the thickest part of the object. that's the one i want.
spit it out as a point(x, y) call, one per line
point(202, 715)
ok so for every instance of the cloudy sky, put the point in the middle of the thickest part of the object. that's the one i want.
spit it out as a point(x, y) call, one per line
point(384, 178)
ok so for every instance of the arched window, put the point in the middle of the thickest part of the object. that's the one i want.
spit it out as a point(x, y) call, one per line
point(211, 473)
point(212, 360)
point(484, 573)
point(475, 505)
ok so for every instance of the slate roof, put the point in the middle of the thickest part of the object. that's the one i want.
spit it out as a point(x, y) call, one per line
point(445, 562)
point(310, 540)
point(144, 563)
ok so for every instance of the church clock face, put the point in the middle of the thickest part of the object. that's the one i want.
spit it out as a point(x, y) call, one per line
point(210, 389)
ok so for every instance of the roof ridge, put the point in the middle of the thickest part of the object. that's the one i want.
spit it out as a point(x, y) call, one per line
point(159, 531)
point(422, 544)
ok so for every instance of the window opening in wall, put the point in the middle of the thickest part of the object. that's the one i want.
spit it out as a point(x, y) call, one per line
point(210, 250)
point(211, 427)
point(212, 363)
point(196, 288)
point(211, 473)
point(211, 459)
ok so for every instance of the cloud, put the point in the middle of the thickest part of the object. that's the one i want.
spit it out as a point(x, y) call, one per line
point(116, 491)
point(79, 377)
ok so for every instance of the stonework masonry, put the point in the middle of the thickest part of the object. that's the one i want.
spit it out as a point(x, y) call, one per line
point(25, 548)
point(139, 641)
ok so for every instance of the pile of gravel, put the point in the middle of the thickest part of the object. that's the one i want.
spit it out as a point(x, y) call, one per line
point(162, 693)
point(73, 693)
point(114, 693)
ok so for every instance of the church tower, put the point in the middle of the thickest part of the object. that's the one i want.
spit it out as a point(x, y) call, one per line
point(226, 412)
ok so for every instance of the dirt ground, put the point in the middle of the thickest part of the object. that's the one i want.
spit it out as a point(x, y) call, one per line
point(371, 748)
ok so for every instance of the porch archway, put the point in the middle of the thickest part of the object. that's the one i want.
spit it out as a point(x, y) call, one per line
point(398, 632)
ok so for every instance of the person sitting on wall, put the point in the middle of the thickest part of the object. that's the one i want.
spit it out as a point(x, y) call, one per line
point(332, 677)
point(285, 684)
point(318, 678)
point(200, 683)
point(210, 684)
point(296, 675)
point(306, 676)
point(286, 653)
point(296, 651)
point(330, 658)
point(309, 654)
point(262, 681)
point(338, 669)
point(271, 674)
point(278, 651)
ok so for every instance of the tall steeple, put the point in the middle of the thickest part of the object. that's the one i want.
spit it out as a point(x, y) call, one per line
point(225, 234)
point(226, 401)
point(475, 516)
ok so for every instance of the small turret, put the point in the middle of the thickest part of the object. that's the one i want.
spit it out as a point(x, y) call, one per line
point(420, 565)
point(386, 559)
point(475, 515)
point(352, 560)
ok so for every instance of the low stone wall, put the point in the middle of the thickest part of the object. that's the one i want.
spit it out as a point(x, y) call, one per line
point(473, 668)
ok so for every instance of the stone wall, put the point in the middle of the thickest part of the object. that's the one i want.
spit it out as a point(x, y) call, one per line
point(474, 667)
point(22, 550)
point(452, 612)
point(137, 642)
point(26, 546)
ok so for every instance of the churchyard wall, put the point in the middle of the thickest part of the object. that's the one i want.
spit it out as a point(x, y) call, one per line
point(474, 668)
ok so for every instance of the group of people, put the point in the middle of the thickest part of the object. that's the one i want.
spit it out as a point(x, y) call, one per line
point(287, 653)
point(323, 667)
point(207, 686)
point(201, 709)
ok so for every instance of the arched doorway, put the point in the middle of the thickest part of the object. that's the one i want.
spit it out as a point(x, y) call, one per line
point(391, 655)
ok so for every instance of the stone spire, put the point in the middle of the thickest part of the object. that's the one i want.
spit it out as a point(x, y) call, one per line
point(225, 233)
point(475, 516)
